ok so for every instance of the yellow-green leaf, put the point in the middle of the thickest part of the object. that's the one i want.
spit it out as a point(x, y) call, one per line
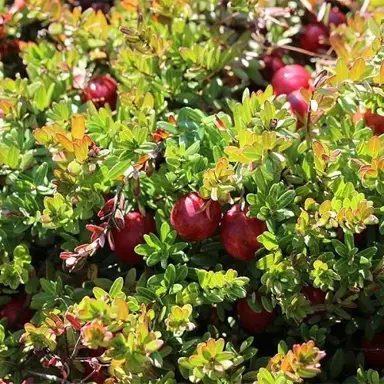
point(65, 142)
point(78, 126)
point(357, 70)
point(341, 70)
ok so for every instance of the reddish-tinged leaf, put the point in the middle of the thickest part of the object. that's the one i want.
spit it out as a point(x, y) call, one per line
point(86, 140)
point(94, 228)
point(160, 135)
point(73, 321)
point(219, 123)
point(318, 149)
point(111, 242)
point(172, 120)
point(65, 255)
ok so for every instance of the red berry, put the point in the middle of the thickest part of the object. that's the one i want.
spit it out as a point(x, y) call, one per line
point(336, 17)
point(359, 239)
point(16, 312)
point(136, 226)
point(97, 377)
point(372, 120)
point(272, 64)
point(312, 37)
point(315, 295)
point(107, 196)
point(94, 352)
point(194, 218)
point(101, 90)
point(239, 233)
point(374, 350)
point(29, 380)
point(290, 78)
point(104, 5)
point(299, 106)
point(253, 322)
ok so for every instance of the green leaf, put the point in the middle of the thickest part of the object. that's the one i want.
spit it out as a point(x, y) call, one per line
point(265, 262)
point(119, 169)
point(269, 241)
point(116, 287)
point(12, 160)
point(164, 231)
point(285, 199)
point(41, 174)
point(374, 28)
point(146, 294)
point(48, 286)
point(170, 275)
point(337, 363)
point(368, 253)
point(168, 127)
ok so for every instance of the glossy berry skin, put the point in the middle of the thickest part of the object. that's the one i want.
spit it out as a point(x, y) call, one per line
point(373, 120)
point(336, 17)
point(101, 90)
point(193, 219)
point(374, 350)
point(16, 312)
point(315, 295)
point(97, 5)
point(239, 233)
point(97, 377)
point(311, 37)
point(290, 78)
point(299, 106)
point(136, 226)
point(253, 322)
point(272, 63)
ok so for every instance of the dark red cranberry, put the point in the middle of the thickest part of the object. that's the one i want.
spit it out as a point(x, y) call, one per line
point(97, 5)
point(16, 312)
point(299, 106)
point(313, 36)
point(272, 64)
point(9, 47)
point(374, 351)
point(101, 90)
point(194, 218)
point(239, 233)
point(290, 78)
point(253, 322)
point(336, 17)
point(373, 120)
point(315, 295)
point(358, 238)
point(136, 226)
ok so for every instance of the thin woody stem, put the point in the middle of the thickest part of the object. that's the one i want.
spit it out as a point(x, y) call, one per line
point(303, 51)
point(48, 377)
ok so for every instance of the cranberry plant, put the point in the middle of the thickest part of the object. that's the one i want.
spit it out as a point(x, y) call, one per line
point(191, 191)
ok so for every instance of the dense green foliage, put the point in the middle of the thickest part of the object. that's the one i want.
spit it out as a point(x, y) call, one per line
point(80, 182)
